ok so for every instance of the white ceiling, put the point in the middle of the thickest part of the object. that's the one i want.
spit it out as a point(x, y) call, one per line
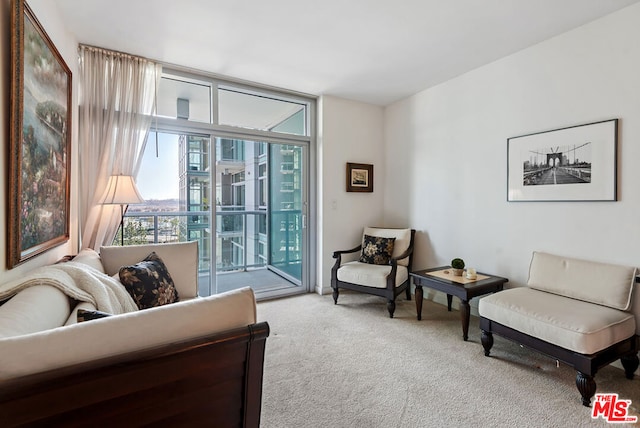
point(376, 51)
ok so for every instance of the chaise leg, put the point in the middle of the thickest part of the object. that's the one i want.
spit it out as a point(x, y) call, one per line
point(587, 387)
point(391, 306)
point(486, 337)
point(336, 293)
point(630, 364)
point(408, 292)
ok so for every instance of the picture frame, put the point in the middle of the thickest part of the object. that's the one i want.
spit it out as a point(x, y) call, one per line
point(359, 177)
point(40, 140)
point(576, 163)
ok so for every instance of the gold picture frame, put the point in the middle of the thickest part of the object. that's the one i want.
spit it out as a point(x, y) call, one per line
point(40, 140)
point(359, 177)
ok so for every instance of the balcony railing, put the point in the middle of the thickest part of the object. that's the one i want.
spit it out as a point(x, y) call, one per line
point(241, 236)
point(239, 233)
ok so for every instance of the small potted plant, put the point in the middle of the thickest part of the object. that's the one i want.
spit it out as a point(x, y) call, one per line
point(458, 266)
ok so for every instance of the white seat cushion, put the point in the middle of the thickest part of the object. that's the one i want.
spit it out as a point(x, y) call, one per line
point(569, 323)
point(370, 275)
point(401, 244)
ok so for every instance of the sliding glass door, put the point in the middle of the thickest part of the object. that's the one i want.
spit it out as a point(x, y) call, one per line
point(260, 230)
point(287, 217)
point(256, 207)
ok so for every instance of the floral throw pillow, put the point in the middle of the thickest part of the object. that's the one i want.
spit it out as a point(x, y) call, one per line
point(149, 282)
point(377, 250)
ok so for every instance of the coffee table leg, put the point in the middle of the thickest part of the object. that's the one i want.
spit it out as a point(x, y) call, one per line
point(465, 312)
point(449, 300)
point(419, 301)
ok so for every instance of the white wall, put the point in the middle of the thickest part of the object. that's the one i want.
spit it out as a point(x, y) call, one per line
point(349, 131)
point(48, 16)
point(447, 146)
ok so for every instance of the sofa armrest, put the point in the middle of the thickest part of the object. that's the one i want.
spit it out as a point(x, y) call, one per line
point(181, 259)
point(130, 332)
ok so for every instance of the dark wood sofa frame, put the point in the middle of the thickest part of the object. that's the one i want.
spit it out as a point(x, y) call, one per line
point(390, 292)
point(586, 365)
point(209, 381)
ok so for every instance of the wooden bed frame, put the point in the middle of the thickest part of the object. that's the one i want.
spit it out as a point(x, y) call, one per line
point(214, 380)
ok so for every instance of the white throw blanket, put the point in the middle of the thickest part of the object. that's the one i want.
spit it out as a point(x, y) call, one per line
point(80, 282)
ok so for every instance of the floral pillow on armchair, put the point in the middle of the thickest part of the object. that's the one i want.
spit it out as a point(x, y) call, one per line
point(376, 250)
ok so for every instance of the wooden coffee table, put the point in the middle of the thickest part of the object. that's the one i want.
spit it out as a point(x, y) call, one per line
point(459, 286)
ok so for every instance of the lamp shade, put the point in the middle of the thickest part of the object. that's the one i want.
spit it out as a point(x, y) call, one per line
point(121, 189)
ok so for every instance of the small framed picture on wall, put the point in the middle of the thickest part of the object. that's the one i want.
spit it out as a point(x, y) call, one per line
point(359, 177)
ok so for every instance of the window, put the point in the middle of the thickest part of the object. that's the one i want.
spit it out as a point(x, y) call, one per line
point(184, 98)
point(245, 147)
point(255, 110)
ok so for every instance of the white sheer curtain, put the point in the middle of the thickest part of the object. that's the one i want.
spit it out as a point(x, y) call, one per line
point(117, 98)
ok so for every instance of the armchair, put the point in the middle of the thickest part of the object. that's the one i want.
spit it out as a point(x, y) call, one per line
point(375, 273)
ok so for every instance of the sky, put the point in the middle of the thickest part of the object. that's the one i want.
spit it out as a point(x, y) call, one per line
point(158, 176)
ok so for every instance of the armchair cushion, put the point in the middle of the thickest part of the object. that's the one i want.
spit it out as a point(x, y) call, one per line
point(376, 250)
point(370, 275)
point(401, 243)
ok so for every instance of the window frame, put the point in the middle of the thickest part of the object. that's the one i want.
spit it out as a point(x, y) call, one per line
point(215, 130)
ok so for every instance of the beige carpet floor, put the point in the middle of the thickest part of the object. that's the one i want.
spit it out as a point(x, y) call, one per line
point(350, 365)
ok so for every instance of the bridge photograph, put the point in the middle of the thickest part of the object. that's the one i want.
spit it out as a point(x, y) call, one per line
point(569, 164)
point(577, 163)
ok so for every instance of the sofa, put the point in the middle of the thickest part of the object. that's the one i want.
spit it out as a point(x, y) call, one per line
point(583, 313)
point(198, 361)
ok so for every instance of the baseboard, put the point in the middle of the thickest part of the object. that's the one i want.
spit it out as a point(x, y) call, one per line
point(323, 291)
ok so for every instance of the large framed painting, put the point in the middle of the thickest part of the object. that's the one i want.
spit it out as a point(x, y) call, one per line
point(40, 140)
point(577, 163)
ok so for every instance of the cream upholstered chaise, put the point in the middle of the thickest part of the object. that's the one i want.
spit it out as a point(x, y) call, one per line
point(385, 275)
point(583, 313)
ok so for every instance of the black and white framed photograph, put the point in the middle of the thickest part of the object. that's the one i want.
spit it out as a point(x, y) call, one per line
point(577, 163)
